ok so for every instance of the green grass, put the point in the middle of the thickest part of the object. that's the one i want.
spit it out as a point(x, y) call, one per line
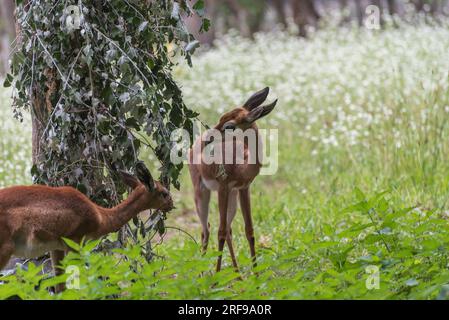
point(357, 111)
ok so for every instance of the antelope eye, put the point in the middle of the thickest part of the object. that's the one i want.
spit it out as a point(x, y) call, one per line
point(229, 126)
point(165, 194)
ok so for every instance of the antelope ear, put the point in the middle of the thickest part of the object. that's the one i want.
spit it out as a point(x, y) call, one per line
point(129, 180)
point(256, 99)
point(260, 112)
point(144, 175)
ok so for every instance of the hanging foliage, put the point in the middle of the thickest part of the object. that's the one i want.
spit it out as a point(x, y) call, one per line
point(96, 76)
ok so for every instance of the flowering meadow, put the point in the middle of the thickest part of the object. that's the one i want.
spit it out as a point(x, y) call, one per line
point(358, 208)
point(15, 145)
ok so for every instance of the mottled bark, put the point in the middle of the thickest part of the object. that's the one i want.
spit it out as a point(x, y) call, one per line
point(41, 108)
point(41, 105)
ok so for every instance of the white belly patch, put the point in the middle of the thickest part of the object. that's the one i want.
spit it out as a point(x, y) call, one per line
point(211, 184)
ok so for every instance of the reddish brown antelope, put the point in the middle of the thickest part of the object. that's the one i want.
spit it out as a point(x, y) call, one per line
point(34, 219)
point(231, 179)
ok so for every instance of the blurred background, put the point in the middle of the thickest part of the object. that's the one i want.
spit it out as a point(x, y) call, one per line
point(248, 17)
point(251, 16)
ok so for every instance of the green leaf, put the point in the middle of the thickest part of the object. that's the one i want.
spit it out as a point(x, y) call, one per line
point(191, 46)
point(199, 7)
point(8, 80)
point(72, 244)
point(205, 26)
point(143, 26)
point(90, 245)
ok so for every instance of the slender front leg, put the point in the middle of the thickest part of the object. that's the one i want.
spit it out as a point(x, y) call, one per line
point(56, 257)
point(245, 204)
point(231, 210)
point(223, 208)
point(202, 198)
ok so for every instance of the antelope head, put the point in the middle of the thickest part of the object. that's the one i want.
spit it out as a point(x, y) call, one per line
point(153, 193)
point(245, 117)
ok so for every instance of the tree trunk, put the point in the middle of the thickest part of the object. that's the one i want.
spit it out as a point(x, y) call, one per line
point(193, 23)
point(279, 7)
point(392, 7)
point(40, 104)
point(419, 5)
point(435, 7)
point(304, 14)
point(379, 4)
point(241, 17)
point(40, 112)
point(360, 12)
point(7, 33)
point(344, 8)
